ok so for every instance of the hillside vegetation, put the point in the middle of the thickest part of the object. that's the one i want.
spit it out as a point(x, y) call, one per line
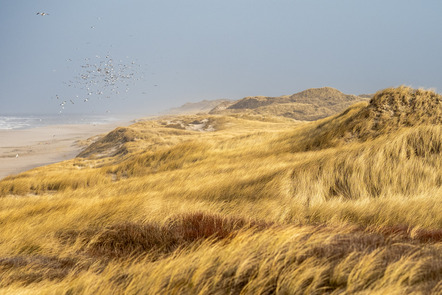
point(238, 203)
point(308, 105)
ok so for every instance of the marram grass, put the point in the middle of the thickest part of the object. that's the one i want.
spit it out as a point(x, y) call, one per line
point(350, 204)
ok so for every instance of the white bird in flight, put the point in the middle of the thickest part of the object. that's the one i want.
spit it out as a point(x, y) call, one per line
point(42, 13)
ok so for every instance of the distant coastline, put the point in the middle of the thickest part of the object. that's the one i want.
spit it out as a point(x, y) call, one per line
point(25, 148)
point(28, 121)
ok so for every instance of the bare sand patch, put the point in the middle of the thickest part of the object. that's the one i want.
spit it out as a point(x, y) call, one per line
point(21, 150)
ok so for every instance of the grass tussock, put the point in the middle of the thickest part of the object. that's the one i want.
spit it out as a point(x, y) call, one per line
point(130, 239)
point(252, 205)
point(407, 164)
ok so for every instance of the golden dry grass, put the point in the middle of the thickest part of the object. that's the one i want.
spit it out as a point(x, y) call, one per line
point(263, 205)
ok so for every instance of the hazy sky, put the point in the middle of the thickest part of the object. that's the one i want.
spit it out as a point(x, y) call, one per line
point(195, 50)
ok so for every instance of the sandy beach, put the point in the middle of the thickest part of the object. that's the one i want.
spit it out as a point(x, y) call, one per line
point(21, 150)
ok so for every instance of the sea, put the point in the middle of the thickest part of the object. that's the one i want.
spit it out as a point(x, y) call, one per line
point(8, 122)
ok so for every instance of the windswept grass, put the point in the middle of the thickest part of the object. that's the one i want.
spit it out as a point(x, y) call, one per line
point(263, 205)
point(312, 259)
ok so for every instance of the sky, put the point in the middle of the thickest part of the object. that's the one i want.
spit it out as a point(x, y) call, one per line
point(168, 52)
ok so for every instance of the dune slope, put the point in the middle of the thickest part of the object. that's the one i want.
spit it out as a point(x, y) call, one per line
point(255, 204)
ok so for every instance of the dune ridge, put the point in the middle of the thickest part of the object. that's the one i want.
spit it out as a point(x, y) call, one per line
point(309, 105)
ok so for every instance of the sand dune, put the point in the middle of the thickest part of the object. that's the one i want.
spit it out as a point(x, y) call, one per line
point(349, 204)
point(44, 145)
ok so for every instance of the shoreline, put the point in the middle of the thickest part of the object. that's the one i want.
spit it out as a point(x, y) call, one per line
point(24, 149)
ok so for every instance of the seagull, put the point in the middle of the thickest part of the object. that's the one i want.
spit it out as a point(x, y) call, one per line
point(16, 155)
point(71, 101)
point(86, 99)
point(42, 13)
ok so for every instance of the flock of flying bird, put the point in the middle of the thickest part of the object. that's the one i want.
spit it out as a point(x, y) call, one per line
point(100, 77)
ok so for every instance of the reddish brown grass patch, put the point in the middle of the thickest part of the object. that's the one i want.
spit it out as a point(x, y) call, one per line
point(134, 239)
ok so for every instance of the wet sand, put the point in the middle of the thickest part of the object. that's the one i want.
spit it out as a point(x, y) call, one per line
point(21, 150)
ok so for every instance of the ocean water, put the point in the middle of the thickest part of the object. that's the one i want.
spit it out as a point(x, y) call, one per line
point(33, 121)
